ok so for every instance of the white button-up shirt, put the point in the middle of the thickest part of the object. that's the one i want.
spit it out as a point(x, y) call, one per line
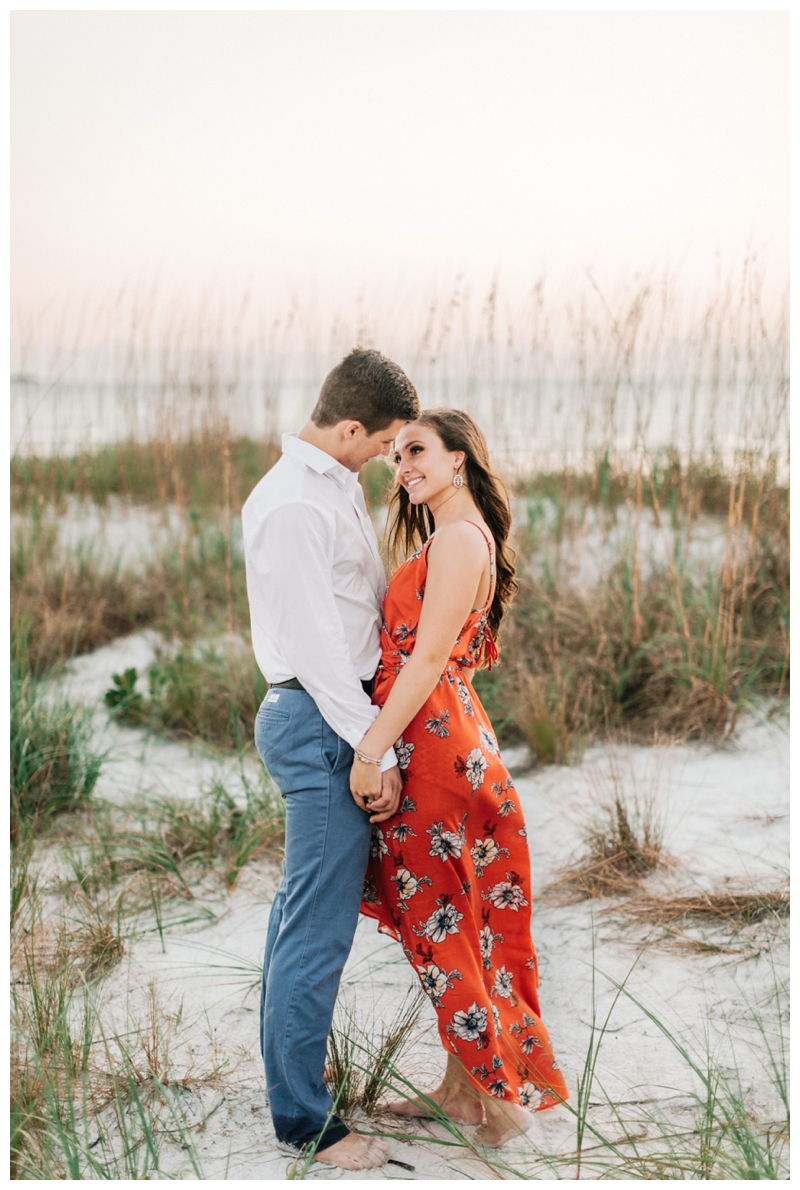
point(315, 583)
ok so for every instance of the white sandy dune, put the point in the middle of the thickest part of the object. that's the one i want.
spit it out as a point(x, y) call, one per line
point(725, 825)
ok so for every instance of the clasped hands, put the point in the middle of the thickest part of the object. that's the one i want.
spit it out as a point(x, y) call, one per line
point(378, 793)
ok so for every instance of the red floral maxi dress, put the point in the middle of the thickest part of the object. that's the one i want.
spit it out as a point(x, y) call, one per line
point(449, 874)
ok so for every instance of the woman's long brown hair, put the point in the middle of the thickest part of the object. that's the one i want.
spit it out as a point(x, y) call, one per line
point(410, 525)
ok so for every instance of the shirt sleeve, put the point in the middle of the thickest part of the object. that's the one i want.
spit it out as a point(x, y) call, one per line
point(291, 557)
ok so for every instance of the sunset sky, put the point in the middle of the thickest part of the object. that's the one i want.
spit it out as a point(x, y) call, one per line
point(337, 151)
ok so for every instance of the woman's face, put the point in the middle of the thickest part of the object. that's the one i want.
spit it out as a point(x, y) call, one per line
point(424, 467)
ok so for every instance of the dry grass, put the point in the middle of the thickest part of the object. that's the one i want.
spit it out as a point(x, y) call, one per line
point(664, 653)
point(67, 602)
point(185, 472)
point(730, 910)
point(627, 400)
point(89, 1100)
point(63, 604)
point(86, 1103)
point(157, 851)
point(622, 847)
point(724, 923)
point(670, 654)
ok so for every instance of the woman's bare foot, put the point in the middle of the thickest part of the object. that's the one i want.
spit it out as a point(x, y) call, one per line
point(461, 1110)
point(457, 1098)
point(355, 1152)
point(504, 1122)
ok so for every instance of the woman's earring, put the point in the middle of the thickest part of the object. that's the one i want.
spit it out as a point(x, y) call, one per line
point(458, 480)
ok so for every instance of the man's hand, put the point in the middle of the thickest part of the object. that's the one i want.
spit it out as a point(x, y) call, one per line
point(391, 792)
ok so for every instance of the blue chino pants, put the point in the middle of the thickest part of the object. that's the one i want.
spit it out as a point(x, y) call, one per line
point(314, 914)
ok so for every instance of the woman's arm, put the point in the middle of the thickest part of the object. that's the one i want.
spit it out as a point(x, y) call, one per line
point(456, 563)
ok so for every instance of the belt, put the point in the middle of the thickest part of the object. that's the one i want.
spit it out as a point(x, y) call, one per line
point(295, 684)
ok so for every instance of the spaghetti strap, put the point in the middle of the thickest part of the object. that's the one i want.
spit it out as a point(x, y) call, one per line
point(486, 537)
point(491, 546)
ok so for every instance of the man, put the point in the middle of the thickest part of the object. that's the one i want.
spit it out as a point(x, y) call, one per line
point(315, 583)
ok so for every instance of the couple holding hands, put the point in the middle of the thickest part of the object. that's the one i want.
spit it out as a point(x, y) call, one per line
point(398, 804)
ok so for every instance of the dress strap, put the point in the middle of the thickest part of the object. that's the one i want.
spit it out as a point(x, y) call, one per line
point(491, 546)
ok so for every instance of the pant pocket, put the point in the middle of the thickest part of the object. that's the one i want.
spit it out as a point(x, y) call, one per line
point(334, 748)
point(272, 730)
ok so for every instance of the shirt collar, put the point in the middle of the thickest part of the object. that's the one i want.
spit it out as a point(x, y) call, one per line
point(319, 461)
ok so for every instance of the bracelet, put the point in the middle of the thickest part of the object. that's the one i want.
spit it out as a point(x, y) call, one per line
point(366, 759)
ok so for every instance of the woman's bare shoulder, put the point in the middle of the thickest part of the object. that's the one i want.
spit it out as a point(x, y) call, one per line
point(460, 541)
point(464, 534)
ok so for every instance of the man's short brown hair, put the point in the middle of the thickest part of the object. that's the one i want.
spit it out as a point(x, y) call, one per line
point(366, 387)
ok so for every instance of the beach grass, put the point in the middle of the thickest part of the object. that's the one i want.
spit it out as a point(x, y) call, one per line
point(130, 859)
point(212, 694)
point(675, 652)
point(54, 765)
point(623, 844)
point(717, 1135)
point(92, 1101)
point(357, 1083)
point(86, 1104)
point(185, 472)
point(645, 649)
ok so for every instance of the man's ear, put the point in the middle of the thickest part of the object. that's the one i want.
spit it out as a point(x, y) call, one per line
point(351, 429)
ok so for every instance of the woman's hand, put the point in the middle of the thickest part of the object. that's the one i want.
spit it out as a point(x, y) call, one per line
point(365, 783)
point(391, 792)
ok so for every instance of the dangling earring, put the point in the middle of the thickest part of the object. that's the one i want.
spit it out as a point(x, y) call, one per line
point(458, 480)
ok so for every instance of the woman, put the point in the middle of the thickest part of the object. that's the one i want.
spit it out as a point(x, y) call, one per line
point(449, 875)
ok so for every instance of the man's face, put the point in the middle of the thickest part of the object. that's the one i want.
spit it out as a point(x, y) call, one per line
point(359, 446)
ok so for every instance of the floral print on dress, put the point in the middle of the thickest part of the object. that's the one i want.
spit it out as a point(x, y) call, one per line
point(486, 940)
point(464, 695)
point(448, 875)
point(502, 985)
point(437, 724)
point(470, 1025)
point(445, 843)
point(403, 753)
point(529, 1096)
point(486, 851)
point(436, 980)
point(377, 844)
point(507, 894)
point(401, 831)
point(488, 741)
point(473, 768)
point(408, 884)
point(443, 921)
point(525, 1034)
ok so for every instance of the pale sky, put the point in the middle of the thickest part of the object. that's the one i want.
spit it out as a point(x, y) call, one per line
point(336, 150)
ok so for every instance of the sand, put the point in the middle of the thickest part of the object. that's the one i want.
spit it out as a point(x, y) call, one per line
point(725, 825)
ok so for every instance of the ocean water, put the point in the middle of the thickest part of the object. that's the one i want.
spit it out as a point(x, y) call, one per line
point(530, 421)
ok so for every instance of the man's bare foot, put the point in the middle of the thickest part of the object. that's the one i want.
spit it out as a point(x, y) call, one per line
point(459, 1103)
point(355, 1152)
point(504, 1122)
